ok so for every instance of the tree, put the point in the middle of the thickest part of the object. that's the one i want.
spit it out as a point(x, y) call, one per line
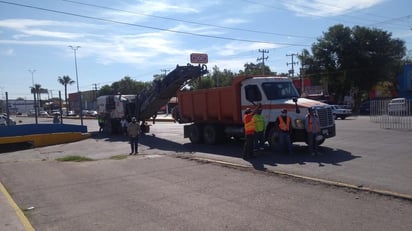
point(65, 80)
point(217, 78)
point(126, 86)
point(354, 58)
point(255, 69)
point(37, 90)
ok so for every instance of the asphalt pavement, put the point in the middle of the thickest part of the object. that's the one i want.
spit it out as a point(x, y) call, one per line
point(367, 158)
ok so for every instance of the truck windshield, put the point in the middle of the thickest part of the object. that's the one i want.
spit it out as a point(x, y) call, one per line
point(276, 90)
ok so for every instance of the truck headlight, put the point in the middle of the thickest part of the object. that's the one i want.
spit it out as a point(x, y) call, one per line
point(300, 124)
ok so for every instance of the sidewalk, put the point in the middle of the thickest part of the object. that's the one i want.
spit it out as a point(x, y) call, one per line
point(12, 217)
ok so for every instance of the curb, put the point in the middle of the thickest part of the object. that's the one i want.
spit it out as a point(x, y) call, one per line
point(307, 178)
point(23, 219)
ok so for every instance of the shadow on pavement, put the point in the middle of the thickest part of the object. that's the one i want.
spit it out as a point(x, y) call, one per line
point(326, 156)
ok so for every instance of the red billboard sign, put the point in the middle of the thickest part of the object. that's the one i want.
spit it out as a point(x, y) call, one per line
point(198, 58)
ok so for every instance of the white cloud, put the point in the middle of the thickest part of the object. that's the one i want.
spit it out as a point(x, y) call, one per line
point(29, 27)
point(233, 21)
point(234, 48)
point(326, 8)
point(145, 9)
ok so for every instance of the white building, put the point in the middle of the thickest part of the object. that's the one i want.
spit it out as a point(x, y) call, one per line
point(18, 106)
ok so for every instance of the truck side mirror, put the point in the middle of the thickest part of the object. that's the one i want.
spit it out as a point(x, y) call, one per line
point(295, 100)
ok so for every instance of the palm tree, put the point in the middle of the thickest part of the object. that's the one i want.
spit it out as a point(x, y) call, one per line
point(64, 81)
point(37, 90)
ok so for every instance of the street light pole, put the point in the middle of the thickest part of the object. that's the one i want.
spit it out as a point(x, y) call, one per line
point(74, 48)
point(36, 109)
point(32, 78)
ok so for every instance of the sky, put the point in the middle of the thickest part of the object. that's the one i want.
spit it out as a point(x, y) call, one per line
point(143, 38)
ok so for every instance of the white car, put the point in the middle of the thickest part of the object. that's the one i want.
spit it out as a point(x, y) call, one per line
point(3, 120)
point(92, 113)
point(339, 111)
point(71, 113)
point(398, 106)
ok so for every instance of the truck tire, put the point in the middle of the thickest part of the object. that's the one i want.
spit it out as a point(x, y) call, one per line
point(273, 139)
point(196, 134)
point(318, 142)
point(212, 134)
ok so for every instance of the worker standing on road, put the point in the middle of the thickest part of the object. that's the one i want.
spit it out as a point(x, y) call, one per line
point(312, 126)
point(56, 119)
point(133, 130)
point(100, 121)
point(259, 130)
point(249, 126)
point(285, 127)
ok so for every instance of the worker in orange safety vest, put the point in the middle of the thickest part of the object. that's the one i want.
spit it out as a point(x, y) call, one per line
point(249, 126)
point(284, 124)
point(312, 126)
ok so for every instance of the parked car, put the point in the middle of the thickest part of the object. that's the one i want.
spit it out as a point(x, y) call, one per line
point(31, 113)
point(398, 106)
point(339, 111)
point(39, 113)
point(71, 113)
point(54, 112)
point(92, 113)
point(43, 114)
point(4, 121)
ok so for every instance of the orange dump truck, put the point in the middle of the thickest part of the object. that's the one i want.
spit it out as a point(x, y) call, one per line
point(215, 115)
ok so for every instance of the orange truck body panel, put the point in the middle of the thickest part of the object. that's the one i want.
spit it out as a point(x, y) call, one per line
point(219, 105)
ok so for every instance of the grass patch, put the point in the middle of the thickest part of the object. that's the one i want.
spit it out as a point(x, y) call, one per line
point(74, 158)
point(118, 157)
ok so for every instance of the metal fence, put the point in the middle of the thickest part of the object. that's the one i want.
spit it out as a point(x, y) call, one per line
point(392, 115)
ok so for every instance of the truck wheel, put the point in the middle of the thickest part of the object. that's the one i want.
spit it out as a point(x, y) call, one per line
point(342, 117)
point(107, 128)
point(273, 139)
point(195, 135)
point(318, 142)
point(212, 134)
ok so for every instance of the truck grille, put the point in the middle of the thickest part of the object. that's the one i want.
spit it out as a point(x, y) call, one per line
point(325, 117)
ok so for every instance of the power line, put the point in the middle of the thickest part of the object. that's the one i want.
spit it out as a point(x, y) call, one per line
point(312, 7)
point(190, 22)
point(152, 27)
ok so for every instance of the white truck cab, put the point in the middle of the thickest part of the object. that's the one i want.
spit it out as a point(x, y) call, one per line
point(277, 93)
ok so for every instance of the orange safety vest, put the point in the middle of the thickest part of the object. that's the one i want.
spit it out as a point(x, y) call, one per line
point(282, 125)
point(249, 124)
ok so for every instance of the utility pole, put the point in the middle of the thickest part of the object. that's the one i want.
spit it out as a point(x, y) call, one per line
point(164, 70)
point(303, 73)
point(263, 59)
point(292, 63)
point(95, 93)
point(79, 94)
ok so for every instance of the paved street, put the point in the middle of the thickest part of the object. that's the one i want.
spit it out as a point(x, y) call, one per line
point(164, 190)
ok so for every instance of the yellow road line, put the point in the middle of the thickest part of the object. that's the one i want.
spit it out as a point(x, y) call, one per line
point(19, 212)
point(314, 179)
